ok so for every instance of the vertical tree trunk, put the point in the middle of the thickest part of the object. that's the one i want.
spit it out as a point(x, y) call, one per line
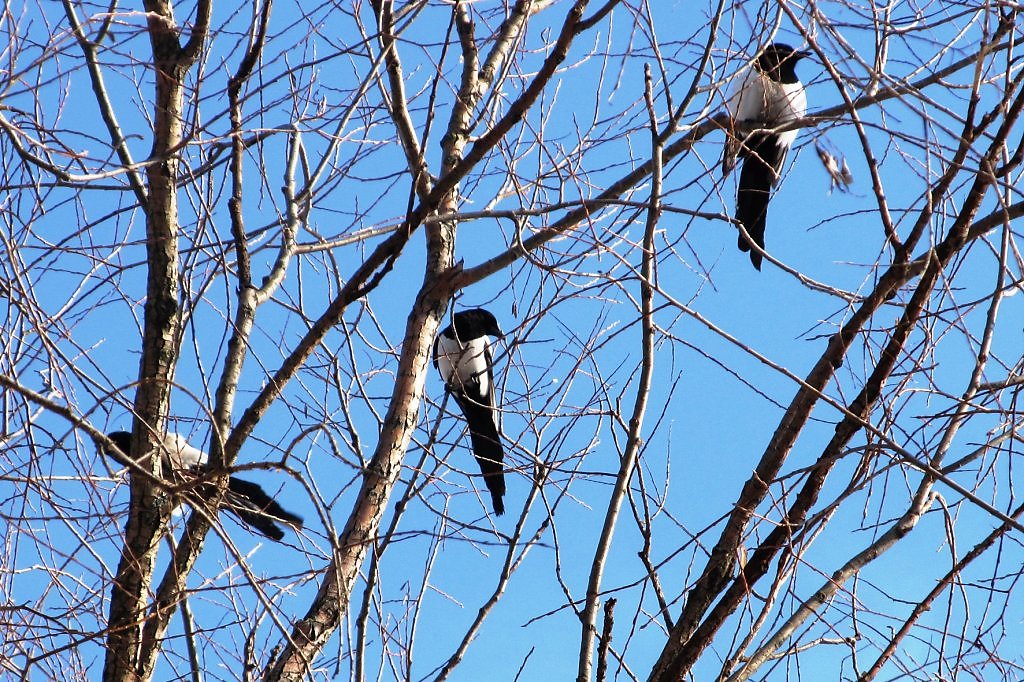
point(149, 506)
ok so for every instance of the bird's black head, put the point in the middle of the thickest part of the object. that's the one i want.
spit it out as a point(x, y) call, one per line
point(474, 323)
point(778, 62)
point(123, 441)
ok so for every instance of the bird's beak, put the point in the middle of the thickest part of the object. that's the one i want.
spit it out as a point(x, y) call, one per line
point(804, 54)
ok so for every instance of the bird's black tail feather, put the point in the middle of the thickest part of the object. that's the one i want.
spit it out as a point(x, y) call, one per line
point(258, 509)
point(762, 155)
point(486, 448)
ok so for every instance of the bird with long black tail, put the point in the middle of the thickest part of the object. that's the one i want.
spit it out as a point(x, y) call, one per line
point(768, 96)
point(462, 354)
point(245, 499)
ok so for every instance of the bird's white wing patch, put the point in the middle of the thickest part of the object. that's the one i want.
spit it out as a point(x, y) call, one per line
point(465, 367)
point(446, 353)
point(748, 98)
point(759, 98)
point(747, 107)
point(475, 364)
point(181, 455)
point(790, 105)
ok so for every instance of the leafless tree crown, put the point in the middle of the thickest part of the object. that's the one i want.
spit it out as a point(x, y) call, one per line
point(246, 223)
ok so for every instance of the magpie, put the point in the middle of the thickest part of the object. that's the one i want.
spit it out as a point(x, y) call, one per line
point(462, 354)
point(768, 96)
point(247, 500)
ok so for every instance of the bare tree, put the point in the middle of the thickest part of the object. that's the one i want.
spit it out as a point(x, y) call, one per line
point(247, 225)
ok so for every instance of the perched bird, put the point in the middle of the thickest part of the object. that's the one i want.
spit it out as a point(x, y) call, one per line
point(247, 500)
point(462, 354)
point(768, 96)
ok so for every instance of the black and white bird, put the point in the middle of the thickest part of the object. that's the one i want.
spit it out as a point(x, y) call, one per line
point(247, 500)
point(768, 96)
point(462, 354)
